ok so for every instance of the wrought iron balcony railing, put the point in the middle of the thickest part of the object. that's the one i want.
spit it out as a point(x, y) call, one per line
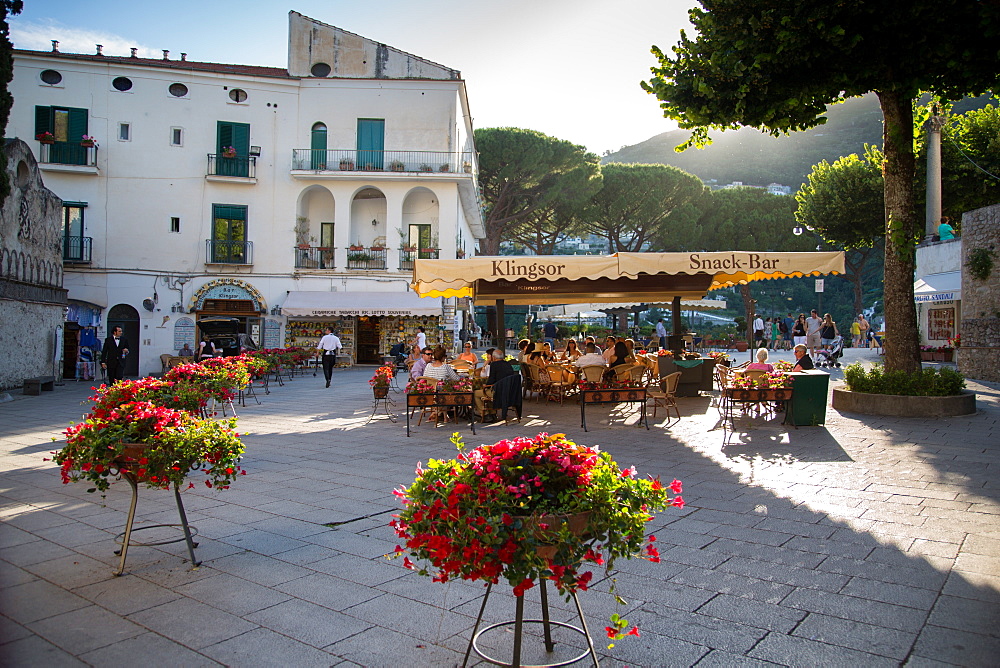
point(352, 160)
point(366, 258)
point(220, 251)
point(314, 257)
point(244, 166)
point(77, 249)
point(408, 255)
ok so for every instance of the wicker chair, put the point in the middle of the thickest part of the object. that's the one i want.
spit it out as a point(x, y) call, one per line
point(593, 373)
point(665, 393)
point(560, 382)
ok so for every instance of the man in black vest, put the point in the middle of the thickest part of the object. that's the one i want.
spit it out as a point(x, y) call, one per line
point(113, 355)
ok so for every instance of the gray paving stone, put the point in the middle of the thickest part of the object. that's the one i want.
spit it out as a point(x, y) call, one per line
point(329, 591)
point(260, 569)
point(869, 638)
point(31, 601)
point(126, 597)
point(266, 648)
point(767, 553)
point(759, 614)
point(232, 594)
point(309, 623)
point(965, 615)
point(11, 630)
point(383, 647)
point(35, 651)
point(191, 623)
point(857, 609)
point(148, 645)
point(699, 629)
point(74, 631)
point(955, 647)
point(793, 651)
point(733, 584)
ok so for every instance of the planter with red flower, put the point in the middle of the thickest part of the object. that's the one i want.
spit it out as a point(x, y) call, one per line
point(527, 511)
point(444, 395)
point(46, 137)
point(381, 380)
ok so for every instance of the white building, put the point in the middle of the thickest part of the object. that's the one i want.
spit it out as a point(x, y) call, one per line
point(217, 189)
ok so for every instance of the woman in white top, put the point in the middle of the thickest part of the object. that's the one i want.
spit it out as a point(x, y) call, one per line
point(438, 368)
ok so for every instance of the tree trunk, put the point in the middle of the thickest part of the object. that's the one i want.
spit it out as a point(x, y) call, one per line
point(490, 244)
point(902, 344)
point(855, 275)
point(748, 308)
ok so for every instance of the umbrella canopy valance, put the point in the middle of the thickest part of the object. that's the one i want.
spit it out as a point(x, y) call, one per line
point(624, 277)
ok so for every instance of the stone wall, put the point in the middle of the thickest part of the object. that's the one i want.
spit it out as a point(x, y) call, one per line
point(980, 350)
point(32, 299)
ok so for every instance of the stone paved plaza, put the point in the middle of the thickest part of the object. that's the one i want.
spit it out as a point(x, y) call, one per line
point(865, 542)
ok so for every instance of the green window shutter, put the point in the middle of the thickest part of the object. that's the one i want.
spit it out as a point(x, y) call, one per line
point(229, 211)
point(225, 136)
point(77, 125)
point(236, 135)
point(371, 143)
point(43, 120)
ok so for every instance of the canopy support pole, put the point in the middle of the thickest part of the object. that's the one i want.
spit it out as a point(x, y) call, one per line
point(501, 342)
point(675, 309)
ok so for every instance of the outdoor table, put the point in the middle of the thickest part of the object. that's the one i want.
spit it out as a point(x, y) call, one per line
point(696, 375)
point(737, 395)
point(442, 400)
point(613, 396)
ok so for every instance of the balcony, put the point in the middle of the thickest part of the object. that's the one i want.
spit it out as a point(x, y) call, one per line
point(240, 169)
point(368, 259)
point(219, 251)
point(408, 255)
point(76, 250)
point(388, 162)
point(314, 257)
point(68, 157)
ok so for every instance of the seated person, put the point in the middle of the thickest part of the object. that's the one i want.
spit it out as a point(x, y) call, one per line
point(547, 354)
point(591, 358)
point(467, 355)
point(415, 355)
point(500, 368)
point(571, 353)
point(945, 231)
point(803, 361)
point(522, 346)
point(417, 370)
point(438, 368)
point(185, 351)
point(485, 371)
point(609, 348)
point(761, 363)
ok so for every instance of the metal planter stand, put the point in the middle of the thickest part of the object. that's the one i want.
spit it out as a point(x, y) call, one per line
point(518, 624)
point(385, 400)
point(125, 538)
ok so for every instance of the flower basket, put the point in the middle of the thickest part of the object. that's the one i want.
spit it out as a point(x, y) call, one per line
point(229, 152)
point(380, 391)
point(526, 509)
point(347, 165)
point(46, 138)
point(87, 144)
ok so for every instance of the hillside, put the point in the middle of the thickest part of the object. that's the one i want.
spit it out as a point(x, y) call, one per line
point(755, 158)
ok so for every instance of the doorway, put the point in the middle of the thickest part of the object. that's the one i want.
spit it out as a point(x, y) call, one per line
point(126, 317)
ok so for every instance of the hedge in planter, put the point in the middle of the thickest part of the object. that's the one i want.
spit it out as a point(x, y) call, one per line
point(924, 383)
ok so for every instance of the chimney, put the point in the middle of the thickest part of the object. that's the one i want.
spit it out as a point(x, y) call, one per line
point(100, 49)
point(55, 46)
point(166, 55)
point(184, 57)
point(134, 50)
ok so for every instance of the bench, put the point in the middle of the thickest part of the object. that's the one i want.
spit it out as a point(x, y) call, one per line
point(34, 386)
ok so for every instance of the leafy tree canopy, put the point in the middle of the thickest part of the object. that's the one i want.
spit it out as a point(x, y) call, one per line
point(522, 172)
point(636, 202)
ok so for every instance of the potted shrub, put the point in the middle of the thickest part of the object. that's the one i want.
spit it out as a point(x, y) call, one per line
point(467, 167)
point(526, 509)
point(347, 165)
point(445, 167)
point(46, 137)
point(397, 166)
point(426, 168)
point(87, 141)
point(380, 381)
point(228, 152)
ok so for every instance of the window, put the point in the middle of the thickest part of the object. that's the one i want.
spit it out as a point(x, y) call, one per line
point(175, 224)
point(74, 247)
point(176, 136)
point(371, 143)
point(125, 132)
point(236, 136)
point(317, 146)
point(326, 235)
point(238, 95)
point(229, 233)
point(122, 84)
point(178, 90)
point(320, 70)
point(68, 126)
point(51, 77)
point(420, 237)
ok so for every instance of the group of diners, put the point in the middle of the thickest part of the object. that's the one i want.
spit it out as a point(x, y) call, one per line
point(616, 351)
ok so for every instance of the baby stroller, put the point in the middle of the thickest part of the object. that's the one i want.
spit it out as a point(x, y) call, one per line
point(831, 358)
point(398, 355)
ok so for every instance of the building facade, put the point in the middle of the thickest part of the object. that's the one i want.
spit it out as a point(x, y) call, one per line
point(195, 190)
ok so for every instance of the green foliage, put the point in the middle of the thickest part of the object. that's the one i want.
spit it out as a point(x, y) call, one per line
point(942, 382)
point(844, 202)
point(980, 263)
point(749, 219)
point(636, 203)
point(7, 7)
point(522, 172)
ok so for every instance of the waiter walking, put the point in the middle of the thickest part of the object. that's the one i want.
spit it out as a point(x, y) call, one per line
point(328, 347)
point(113, 355)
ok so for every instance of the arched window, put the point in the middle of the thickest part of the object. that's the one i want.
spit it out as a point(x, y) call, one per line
point(317, 144)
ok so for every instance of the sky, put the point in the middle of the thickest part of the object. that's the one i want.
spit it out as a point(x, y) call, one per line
point(568, 68)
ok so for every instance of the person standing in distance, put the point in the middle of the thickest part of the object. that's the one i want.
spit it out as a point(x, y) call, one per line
point(421, 339)
point(113, 355)
point(661, 333)
point(328, 347)
point(813, 326)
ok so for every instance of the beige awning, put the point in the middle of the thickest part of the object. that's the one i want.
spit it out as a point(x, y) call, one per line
point(733, 267)
point(321, 304)
point(625, 277)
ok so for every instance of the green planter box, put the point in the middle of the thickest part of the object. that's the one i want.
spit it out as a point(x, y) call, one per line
point(808, 404)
